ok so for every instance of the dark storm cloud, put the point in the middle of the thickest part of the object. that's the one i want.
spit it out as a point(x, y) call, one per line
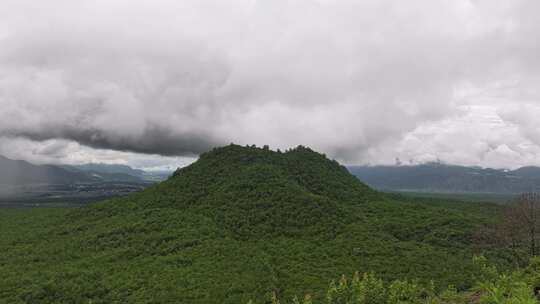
point(155, 139)
point(346, 77)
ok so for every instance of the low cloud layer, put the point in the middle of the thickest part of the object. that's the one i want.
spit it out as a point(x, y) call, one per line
point(364, 81)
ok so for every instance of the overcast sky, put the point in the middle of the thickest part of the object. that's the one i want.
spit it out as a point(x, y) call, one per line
point(153, 83)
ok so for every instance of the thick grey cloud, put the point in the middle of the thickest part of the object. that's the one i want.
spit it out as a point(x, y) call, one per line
point(59, 151)
point(364, 81)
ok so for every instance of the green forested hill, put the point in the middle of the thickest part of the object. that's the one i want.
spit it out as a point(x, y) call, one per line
point(239, 223)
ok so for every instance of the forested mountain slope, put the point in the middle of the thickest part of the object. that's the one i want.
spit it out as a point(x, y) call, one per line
point(239, 223)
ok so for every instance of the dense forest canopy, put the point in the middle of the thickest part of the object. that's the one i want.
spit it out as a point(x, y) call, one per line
point(237, 225)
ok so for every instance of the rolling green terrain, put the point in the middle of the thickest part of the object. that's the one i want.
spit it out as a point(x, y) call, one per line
point(499, 198)
point(236, 225)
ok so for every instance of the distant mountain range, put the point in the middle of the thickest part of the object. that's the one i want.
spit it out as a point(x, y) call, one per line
point(435, 177)
point(106, 172)
point(18, 172)
point(111, 169)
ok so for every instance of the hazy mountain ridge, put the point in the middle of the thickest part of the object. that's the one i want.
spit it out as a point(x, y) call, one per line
point(110, 169)
point(449, 178)
point(106, 172)
point(18, 172)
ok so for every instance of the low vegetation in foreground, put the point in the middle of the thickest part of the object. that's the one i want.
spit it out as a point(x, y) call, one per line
point(242, 223)
point(491, 287)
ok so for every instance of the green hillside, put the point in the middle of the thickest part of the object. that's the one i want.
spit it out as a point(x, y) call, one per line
point(236, 225)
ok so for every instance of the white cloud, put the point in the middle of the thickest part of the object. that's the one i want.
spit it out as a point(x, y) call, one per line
point(363, 81)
